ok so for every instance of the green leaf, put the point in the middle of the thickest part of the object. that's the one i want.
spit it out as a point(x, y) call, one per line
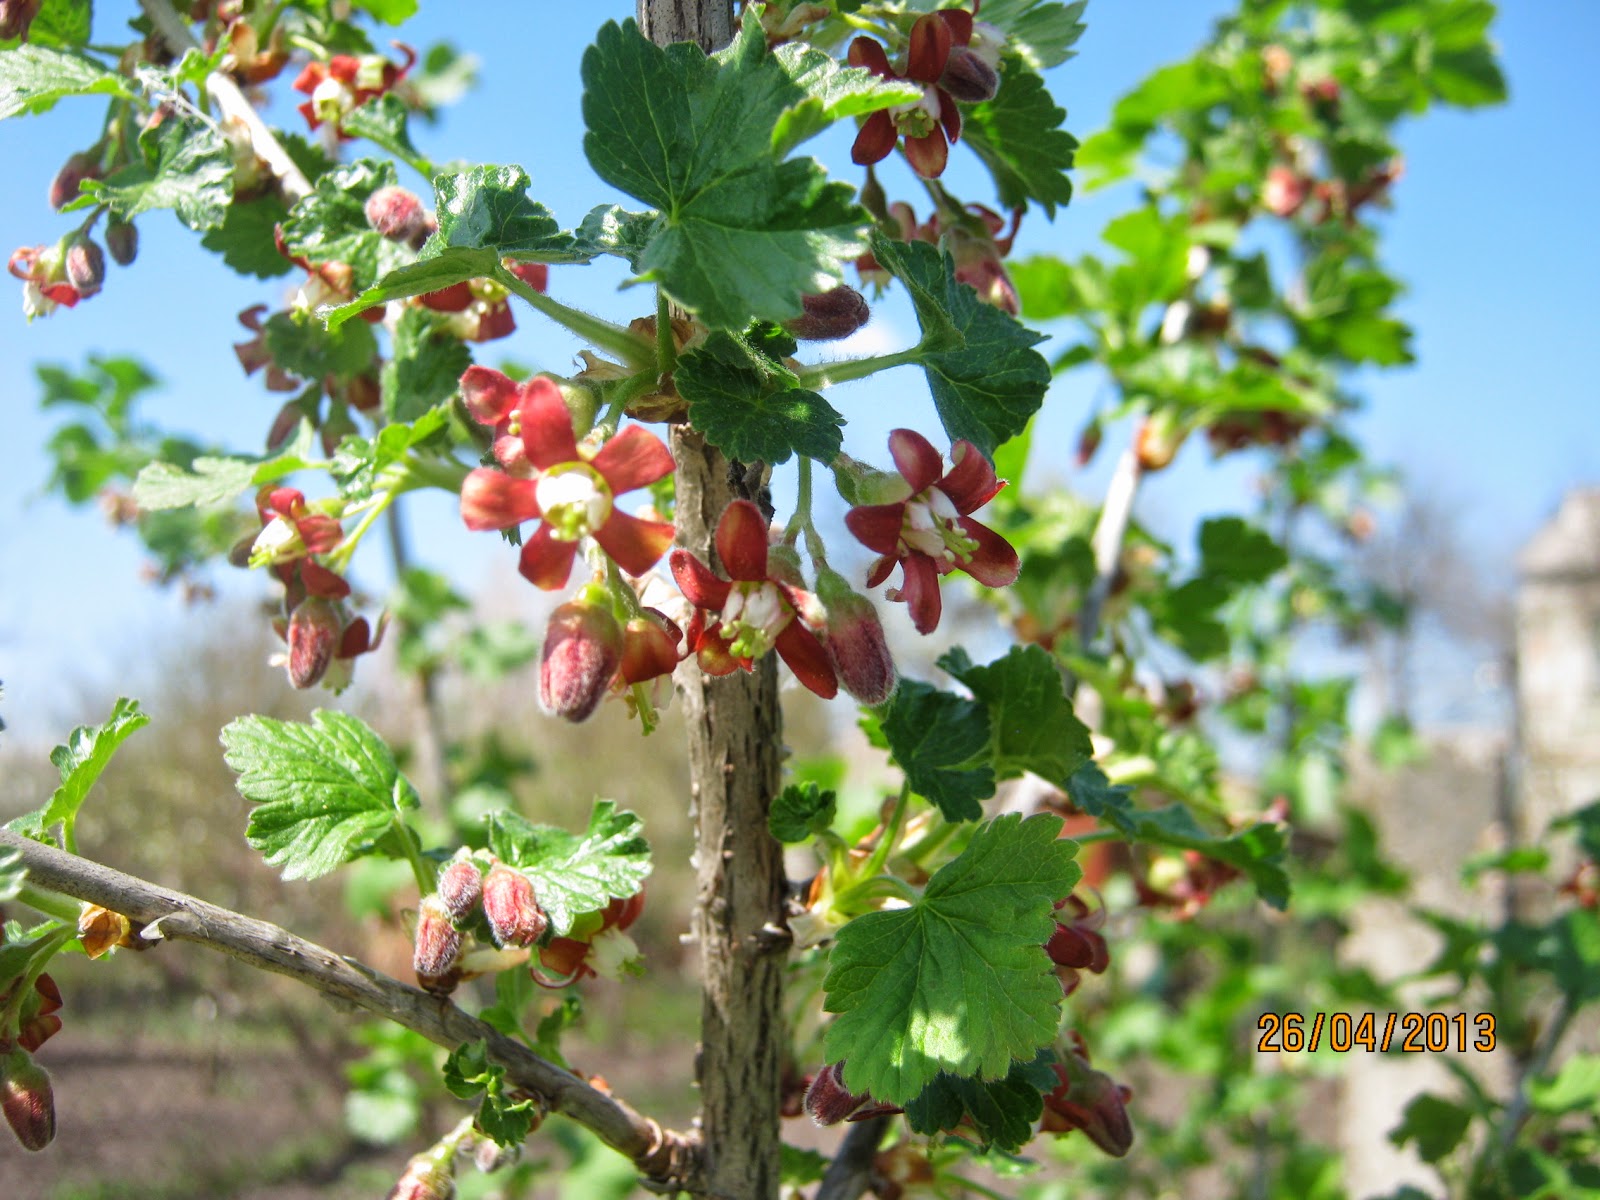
point(986, 381)
point(33, 78)
point(468, 1072)
point(833, 92)
point(1233, 549)
point(801, 812)
point(1575, 1086)
point(300, 344)
point(958, 982)
point(245, 238)
point(424, 368)
point(611, 229)
point(187, 167)
point(330, 224)
point(801, 1167)
point(1002, 1111)
point(79, 762)
point(547, 1034)
point(1258, 851)
point(325, 793)
point(936, 737)
point(1018, 136)
point(417, 279)
point(1435, 1125)
point(748, 406)
point(1032, 726)
point(211, 481)
point(574, 874)
point(384, 122)
point(1042, 32)
point(359, 462)
point(488, 208)
point(741, 234)
point(61, 23)
point(390, 12)
point(1469, 77)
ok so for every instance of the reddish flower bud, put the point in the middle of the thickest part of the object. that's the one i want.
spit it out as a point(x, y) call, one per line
point(1092, 1101)
point(122, 241)
point(836, 313)
point(512, 908)
point(27, 1100)
point(582, 650)
point(968, 77)
point(649, 647)
point(461, 889)
point(315, 627)
point(1158, 440)
point(64, 187)
point(16, 16)
point(828, 1101)
point(426, 1178)
point(1284, 191)
point(438, 944)
point(397, 214)
point(85, 266)
point(855, 640)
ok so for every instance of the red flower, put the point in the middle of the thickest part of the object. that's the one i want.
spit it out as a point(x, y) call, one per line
point(1089, 1100)
point(43, 271)
point(571, 494)
point(756, 611)
point(347, 81)
point(1077, 944)
point(929, 533)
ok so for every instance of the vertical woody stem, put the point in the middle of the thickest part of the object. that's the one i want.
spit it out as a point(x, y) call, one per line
point(735, 730)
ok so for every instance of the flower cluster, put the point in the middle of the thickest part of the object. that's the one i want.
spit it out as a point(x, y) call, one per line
point(346, 81)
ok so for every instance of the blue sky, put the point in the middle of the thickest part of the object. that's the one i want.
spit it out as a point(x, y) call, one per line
point(1493, 232)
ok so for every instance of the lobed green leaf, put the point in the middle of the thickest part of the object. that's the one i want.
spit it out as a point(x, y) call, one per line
point(572, 873)
point(748, 406)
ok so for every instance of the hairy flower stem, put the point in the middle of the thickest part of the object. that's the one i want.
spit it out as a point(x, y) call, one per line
point(827, 374)
point(632, 349)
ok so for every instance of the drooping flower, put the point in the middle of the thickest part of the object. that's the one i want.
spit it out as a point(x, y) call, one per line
point(1077, 944)
point(1089, 1100)
point(855, 641)
point(346, 81)
point(758, 609)
point(929, 532)
point(571, 494)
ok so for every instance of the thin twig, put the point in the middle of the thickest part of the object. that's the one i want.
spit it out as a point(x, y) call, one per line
point(231, 101)
point(850, 1172)
point(662, 1155)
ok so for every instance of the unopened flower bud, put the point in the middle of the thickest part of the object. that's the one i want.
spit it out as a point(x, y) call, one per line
point(16, 16)
point(1092, 1101)
point(649, 647)
point(1158, 440)
point(582, 650)
point(461, 889)
point(512, 908)
point(968, 77)
point(315, 626)
point(64, 187)
point(855, 640)
point(836, 313)
point(396, 213)
point(490, 1156)
point(27, 1100)
point(828, 1101)
point(437, 946)
point(426, 1177)
point(1284, 191)
point(85, 265)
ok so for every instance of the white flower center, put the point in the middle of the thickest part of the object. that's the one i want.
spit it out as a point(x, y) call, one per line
point(753, 617)
point(574, 500)
point(930, 527)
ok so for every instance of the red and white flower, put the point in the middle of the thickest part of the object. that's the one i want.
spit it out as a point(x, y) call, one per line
point(929, 532)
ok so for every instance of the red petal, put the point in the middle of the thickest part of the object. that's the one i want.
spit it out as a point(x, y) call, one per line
point(648, 648)
point(959, 22)
point(876, 138)
point(877, 526)
point(546, 561)
point(319, 581)
point(919, 589)
point(864, 52)
point(632, 459)
point(949, 117)
point(881, 570)
point(928, 155)
point(970, 482)
point(357, 639)
point(994, 563)
point(742, 542)
point(454, 298)
point(930, 49)
point(915, 458)
point(807, 658)
point(319, 532)
point(697, 583)
point(546, 425)
point(489, 395)
point(714, 657)
point(493, 500)
point(633, 544)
